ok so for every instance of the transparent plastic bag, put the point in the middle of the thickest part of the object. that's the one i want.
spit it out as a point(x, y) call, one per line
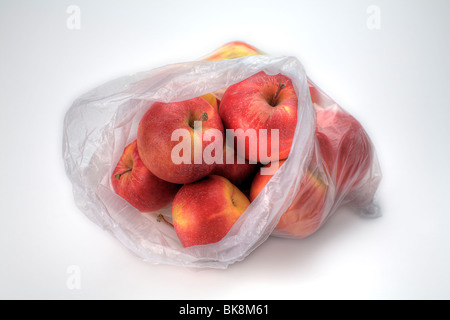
point(344, 171)
point(103, 121)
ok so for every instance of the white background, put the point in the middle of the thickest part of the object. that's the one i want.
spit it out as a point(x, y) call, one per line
point(395, 80)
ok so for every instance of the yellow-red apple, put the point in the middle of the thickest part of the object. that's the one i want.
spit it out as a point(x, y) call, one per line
point(204, 211)
point(135, 183)
point(304, 215)
point(231, 50)
point(171, 139)
point(212, 100)
point(265, 107)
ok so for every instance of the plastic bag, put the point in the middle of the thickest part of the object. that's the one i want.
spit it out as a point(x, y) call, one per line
point(102, 122)
point(344, 170)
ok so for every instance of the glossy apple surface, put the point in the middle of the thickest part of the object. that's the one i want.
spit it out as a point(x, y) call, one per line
point(203, 212)
point(135, 183)
point(261, 102)
point(156, 141)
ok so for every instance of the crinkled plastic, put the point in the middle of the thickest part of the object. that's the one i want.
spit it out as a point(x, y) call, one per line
point(103, 121)
point(344, 170)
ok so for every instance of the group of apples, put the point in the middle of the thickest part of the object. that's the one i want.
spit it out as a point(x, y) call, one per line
point(208, 198)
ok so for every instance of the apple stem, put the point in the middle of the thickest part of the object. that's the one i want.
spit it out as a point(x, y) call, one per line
point(204, 116)
point(117, 176)
point(160, 218)
point(281, 86)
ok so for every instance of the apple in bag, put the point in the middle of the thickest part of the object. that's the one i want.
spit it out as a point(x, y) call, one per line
point(171, 139)
point(306, 212)
point(345, 147)
point(135, 183)
point(262, 111)
point(204, 211)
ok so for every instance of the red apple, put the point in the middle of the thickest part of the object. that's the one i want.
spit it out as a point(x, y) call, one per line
point(305, 214)
point(326, 151)
point(203, 212)
point(135, 183)
point(164, 131)
point(345, 147)
point(261, 102)
point(239, 170)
